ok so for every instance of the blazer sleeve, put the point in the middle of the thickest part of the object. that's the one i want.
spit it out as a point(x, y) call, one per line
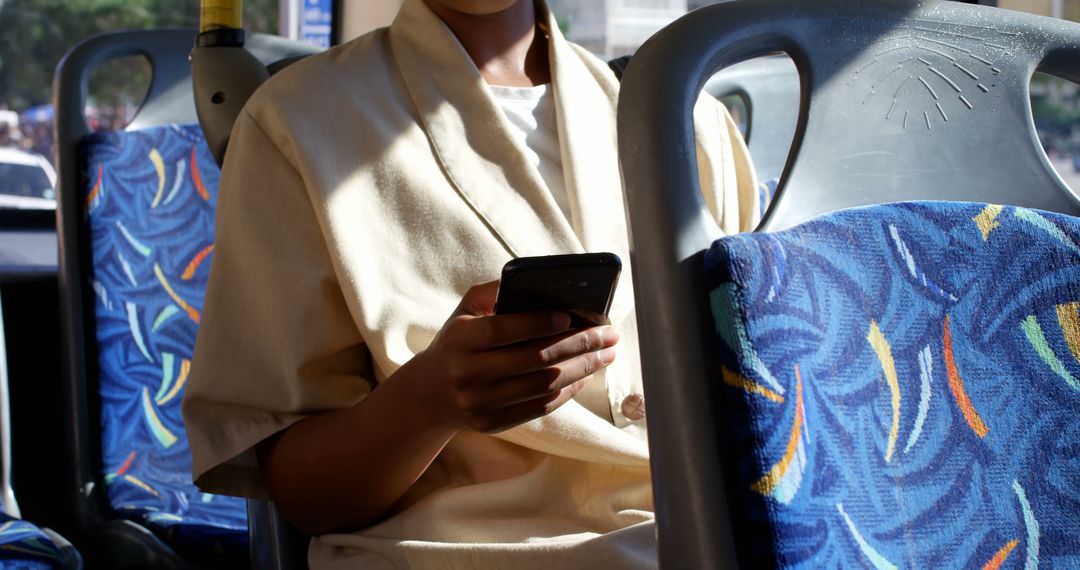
point(728, 179)
point(277, 342)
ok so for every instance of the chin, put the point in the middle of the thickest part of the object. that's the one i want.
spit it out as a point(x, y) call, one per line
point(476, 7)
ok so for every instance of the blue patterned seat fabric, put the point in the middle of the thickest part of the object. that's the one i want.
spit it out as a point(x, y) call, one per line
point(150, 199)
point(902, 386)
point(25, 547)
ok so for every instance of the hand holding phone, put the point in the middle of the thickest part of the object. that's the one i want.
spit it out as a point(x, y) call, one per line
point(581, 285)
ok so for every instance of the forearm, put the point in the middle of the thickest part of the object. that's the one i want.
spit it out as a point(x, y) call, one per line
point(340, 471)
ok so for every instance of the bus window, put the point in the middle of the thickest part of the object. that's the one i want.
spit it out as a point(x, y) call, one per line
point(35, 34)
point(1055, 105)
point(1055, 102)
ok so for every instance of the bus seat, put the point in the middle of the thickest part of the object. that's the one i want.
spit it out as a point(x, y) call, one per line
point(150, 197)
point(959, 73)
point(22, 543)
point(26, 546)
point(135, 213)
point(901, 387)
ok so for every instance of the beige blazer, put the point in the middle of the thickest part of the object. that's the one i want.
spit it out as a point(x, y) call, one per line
point(365, 189)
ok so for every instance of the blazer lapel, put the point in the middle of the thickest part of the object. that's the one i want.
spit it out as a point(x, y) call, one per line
point(470, 138)
point(586, 93)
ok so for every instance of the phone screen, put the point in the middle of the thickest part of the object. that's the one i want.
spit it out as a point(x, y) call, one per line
point(581, 285)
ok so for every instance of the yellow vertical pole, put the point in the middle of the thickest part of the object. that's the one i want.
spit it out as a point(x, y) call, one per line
point(215, 14)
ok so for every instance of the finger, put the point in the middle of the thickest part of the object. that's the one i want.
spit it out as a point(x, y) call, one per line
point(486, 333)
point(531, 409)
point(541, 353)
point(507, 392)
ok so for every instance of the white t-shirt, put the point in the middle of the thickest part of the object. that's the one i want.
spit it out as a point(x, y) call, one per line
point(531, 112)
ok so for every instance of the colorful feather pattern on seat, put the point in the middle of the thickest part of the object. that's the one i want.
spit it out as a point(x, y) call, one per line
point(939, 351)
point(24, 546)
point(152, 196)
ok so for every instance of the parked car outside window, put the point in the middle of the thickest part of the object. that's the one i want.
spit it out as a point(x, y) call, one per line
point(27, 181)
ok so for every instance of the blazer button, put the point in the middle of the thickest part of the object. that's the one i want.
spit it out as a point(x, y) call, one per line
point(633, 407)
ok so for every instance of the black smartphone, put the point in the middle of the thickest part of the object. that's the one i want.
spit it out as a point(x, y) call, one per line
point(580, 284)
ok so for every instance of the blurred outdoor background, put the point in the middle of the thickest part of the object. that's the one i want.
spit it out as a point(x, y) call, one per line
point(35, 34)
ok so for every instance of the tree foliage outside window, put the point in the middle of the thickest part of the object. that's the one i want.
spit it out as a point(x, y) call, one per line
point(35, 34)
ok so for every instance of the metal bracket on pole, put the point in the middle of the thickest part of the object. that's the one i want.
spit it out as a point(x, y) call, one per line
point(224, 75)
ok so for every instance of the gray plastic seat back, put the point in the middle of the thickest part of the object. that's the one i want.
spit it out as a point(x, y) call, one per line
point(900, 100)
point(934, 105)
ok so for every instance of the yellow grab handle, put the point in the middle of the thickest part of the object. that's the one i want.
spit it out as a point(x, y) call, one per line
point(215, 14)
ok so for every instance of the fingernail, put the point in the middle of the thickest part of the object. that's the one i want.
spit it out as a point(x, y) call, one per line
point(607, 356)
point(560, 321)
point(609, 334)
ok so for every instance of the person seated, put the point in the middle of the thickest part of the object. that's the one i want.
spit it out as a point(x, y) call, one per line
point(349, 365)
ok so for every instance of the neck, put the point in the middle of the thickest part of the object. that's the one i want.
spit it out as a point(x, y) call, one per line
point(505, 46)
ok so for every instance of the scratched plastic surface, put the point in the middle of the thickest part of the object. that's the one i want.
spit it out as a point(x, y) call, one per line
point(907, 100)
point(932, 106)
